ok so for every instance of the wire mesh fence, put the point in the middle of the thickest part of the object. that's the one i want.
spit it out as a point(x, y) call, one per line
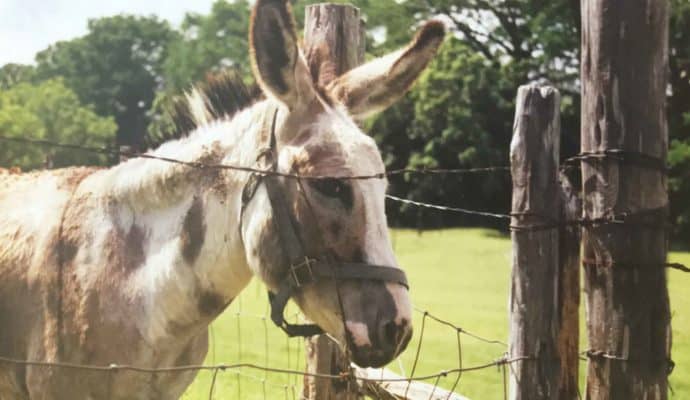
point(268, 364)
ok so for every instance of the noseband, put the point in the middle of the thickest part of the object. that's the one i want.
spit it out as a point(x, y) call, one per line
point(302, 269)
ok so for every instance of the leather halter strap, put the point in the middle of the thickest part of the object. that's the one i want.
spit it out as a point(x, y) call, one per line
point(303, 270)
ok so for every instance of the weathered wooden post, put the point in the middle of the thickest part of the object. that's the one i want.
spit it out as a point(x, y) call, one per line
point(333, 43)
point(624, 145)
point(569, 290)
point(543, 361)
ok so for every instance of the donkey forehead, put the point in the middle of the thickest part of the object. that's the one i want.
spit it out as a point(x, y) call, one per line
point(336, 144)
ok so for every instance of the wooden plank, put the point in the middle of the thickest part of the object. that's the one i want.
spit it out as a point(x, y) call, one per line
point(398, 390)
point(534, 297)
point(624, 84)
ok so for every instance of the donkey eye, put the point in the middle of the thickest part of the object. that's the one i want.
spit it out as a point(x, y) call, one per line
point(334, 188)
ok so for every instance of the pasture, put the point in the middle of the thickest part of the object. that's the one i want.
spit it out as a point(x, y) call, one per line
point(461, 275)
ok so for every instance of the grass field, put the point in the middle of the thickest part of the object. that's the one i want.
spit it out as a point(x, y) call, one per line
point(461, 275)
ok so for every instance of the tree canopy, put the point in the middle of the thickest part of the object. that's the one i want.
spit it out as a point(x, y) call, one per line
point(116, 67)
point(49, 110)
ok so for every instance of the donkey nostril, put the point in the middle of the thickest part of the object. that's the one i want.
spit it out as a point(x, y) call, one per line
point(390, 332)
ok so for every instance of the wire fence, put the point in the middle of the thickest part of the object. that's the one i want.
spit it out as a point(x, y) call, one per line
point(293, 369)
point(294, 363)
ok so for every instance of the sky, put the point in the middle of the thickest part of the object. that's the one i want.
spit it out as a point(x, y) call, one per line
point(28, 26)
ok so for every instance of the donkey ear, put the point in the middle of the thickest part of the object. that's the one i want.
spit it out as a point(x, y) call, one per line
point(378, 84)
point(275, 56)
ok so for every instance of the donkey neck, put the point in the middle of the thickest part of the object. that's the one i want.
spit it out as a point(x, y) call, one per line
point(195, 259)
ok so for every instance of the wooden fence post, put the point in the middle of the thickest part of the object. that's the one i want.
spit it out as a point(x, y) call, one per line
point(333, 43)
point(624, 84)
point(569, 290)
point(537, 369)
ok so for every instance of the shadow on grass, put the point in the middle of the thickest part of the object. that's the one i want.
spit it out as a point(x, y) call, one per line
point(496, 234)
point(677, 245)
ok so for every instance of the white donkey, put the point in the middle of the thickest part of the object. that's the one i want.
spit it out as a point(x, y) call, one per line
point(129, 265)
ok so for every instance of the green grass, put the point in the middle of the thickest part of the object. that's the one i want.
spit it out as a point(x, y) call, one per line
point(461, 275)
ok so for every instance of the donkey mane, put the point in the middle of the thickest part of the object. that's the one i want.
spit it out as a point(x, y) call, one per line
point(220, 96)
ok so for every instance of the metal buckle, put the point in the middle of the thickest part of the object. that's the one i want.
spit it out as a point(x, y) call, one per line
point(304, 264)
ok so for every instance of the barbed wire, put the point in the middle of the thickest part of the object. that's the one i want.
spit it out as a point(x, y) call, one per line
point(447, 208)
point(203, 165)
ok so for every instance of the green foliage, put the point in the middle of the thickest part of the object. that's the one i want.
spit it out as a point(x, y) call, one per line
point(50, 111)
point(209, 43)
point(206, 44)
point(116, 67)
point(679, 118)
point(13, 74)
point(460, 113)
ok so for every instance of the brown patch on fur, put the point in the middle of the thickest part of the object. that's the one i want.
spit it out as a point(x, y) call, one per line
point(211, 304)
point(335, 227)
point(215, 178)
point(193, 232)
point(134, 241)
point(125, 251)
point(358, 255)
point(71, 177)
point(321, 159)
point(66, 248)
point(11, 171)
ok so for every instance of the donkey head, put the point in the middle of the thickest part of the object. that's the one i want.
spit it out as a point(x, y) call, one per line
point(341, 219)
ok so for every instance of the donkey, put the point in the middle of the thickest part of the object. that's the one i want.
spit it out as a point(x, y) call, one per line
point(129, 265)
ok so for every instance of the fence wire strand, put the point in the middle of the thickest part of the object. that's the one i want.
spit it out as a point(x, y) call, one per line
point(202, 165)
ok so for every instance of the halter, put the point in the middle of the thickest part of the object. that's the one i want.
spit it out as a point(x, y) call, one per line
point(302, 269)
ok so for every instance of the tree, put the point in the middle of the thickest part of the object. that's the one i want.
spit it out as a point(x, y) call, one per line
point(209, 43)
point(116, 67)
point(460, 113)
point(456, 117)
point(50, 111)
point(13, 74)
point(679, 117)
